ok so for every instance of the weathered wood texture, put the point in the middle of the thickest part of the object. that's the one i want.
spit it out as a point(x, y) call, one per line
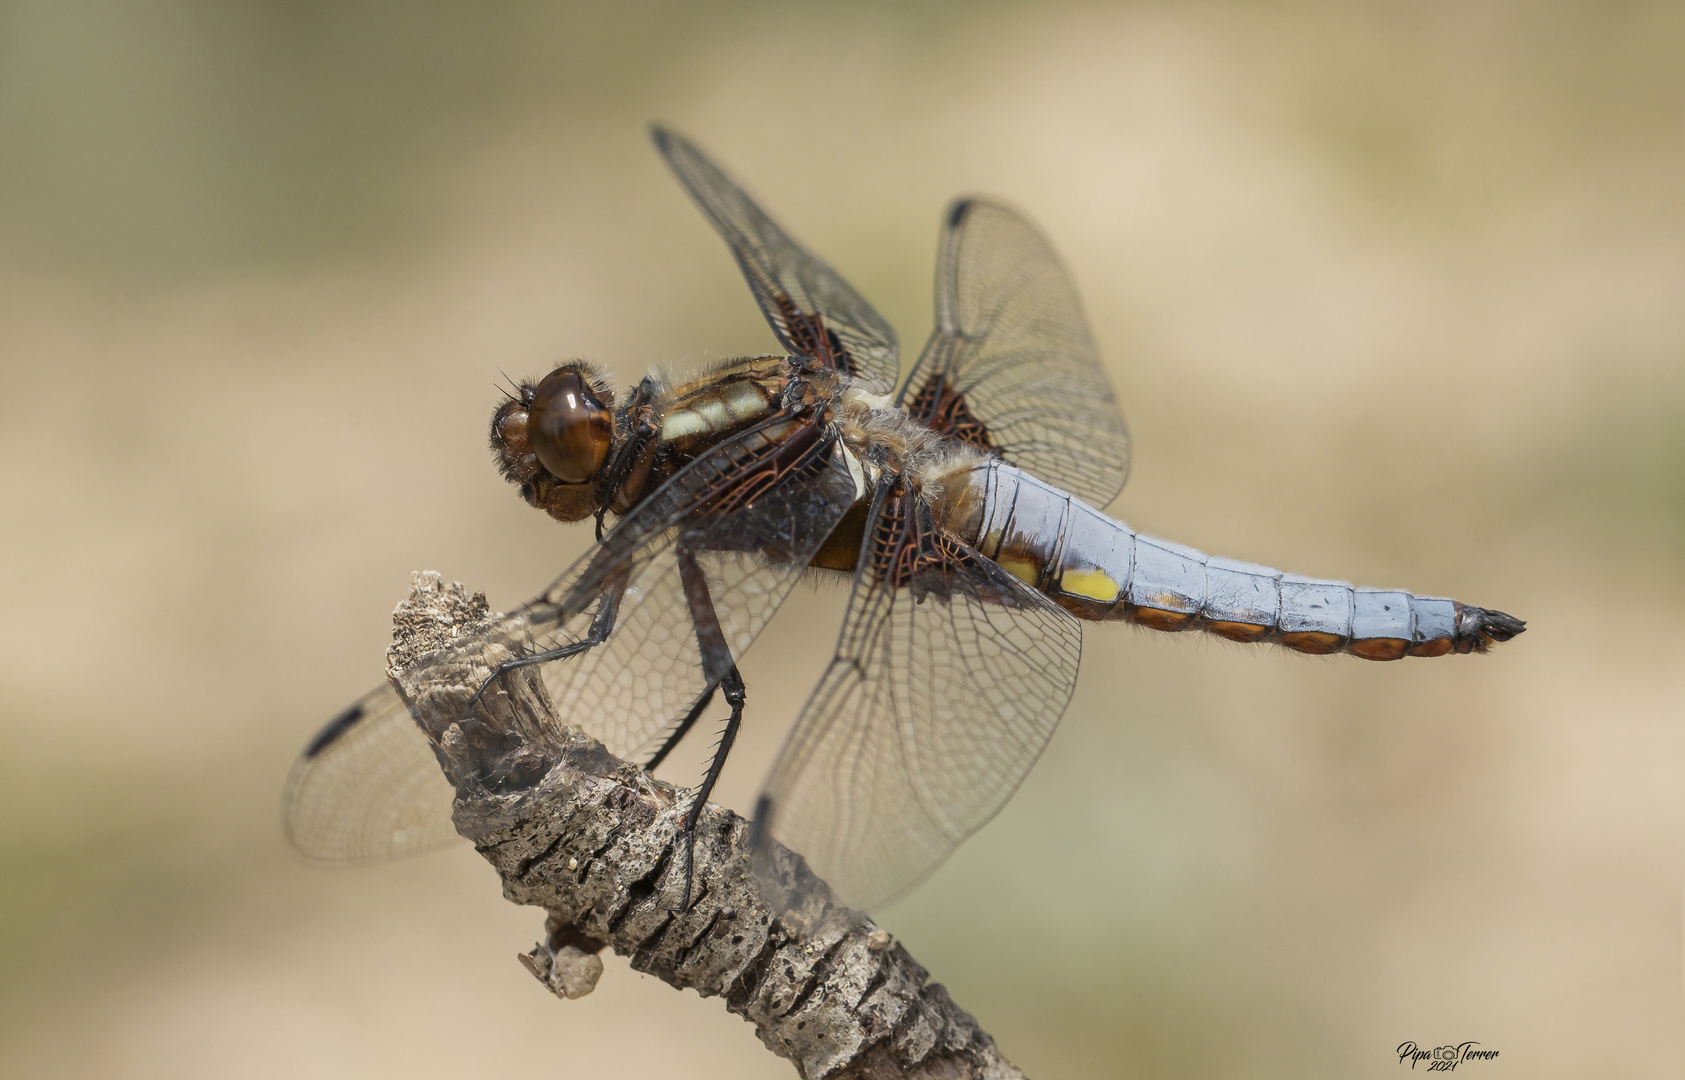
point(590, 838)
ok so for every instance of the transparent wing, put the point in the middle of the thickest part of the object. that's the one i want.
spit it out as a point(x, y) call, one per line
point(631, 690)
point(925, 723)
point(790, 283)
point(1011, 364)
point(368, 787)
point(754, 510)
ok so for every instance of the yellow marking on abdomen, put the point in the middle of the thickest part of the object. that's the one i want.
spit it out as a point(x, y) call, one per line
point(1024, 569)
point(1094, 584)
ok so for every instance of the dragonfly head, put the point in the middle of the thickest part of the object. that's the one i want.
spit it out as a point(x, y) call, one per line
point(552, 437)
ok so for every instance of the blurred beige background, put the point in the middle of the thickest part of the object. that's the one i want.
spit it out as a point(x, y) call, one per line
point(1391, 293)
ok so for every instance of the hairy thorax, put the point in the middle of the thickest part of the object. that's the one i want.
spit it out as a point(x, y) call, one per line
point(881, 438)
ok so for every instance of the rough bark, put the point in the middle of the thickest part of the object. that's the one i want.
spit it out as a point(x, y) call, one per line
point(591, 839)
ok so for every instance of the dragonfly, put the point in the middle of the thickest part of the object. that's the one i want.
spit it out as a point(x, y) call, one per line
point(962, 502)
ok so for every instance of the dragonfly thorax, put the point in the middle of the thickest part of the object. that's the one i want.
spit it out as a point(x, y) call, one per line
point(885, 439)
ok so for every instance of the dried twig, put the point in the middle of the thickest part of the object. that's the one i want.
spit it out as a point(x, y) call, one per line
point(590, 838)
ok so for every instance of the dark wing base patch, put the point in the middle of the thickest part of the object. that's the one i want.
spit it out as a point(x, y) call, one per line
point(944, 410)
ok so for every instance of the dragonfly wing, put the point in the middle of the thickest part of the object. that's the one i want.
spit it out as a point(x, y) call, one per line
point(790, 283)
point(1011, 364)
point(632, 689)
point(368, 787)
point(943, 692)
point(370, 773)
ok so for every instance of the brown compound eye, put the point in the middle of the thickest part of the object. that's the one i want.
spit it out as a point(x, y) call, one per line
point(569, 427)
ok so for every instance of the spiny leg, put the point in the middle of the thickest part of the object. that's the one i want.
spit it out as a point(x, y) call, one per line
point(720, 670)
point(602, 625)
point(684, 728)
point(735, 696)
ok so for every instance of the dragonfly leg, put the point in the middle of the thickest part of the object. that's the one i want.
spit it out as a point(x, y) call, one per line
point(637, 439)
point(684, 727)
point(602, 625)
point(721, 671)
point(735, 696)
